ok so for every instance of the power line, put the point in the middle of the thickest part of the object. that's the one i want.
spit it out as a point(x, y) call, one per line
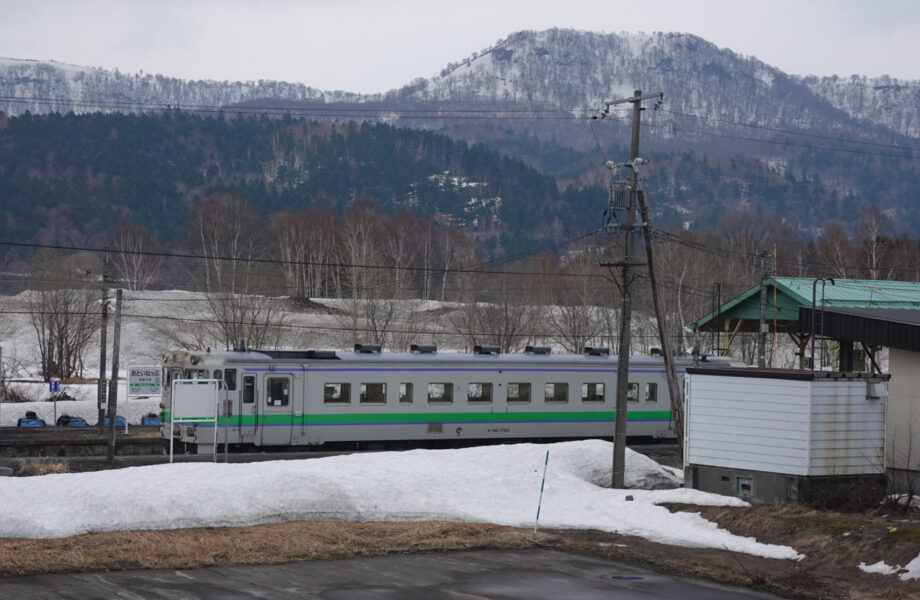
point(275, 261)
point(788, 131)
point(368, 112)
point(781, 143)
point(753, 257)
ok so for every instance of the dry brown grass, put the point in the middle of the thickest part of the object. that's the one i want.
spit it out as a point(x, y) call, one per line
point(41, 466)
point(264, 544)
point(834, 543)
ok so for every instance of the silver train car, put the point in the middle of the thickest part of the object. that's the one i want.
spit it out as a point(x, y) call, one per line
point(279, 398)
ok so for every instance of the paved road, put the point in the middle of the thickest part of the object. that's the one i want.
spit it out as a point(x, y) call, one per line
point(478, 575)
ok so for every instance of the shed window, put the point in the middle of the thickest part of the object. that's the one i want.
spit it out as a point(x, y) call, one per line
point(479, 392)
point(337, 393)
point(440, 393)
point(519, 392)
point(592, 392)
point(556, 392)
point(373, 393)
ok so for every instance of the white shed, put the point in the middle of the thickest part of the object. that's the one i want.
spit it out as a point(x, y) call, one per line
point(776, 435)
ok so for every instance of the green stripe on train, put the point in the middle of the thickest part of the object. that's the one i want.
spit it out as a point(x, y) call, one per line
point(437, 417)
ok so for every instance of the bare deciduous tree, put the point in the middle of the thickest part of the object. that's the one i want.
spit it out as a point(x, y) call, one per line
point(232, 237)
point(576, 315)
point(874, 242)
point(134, 255)
point(505, 317)
point(63, 310)
point(305, 242)
point(834, 250)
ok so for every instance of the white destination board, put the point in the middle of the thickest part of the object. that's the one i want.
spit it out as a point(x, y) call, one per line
point(144, 381)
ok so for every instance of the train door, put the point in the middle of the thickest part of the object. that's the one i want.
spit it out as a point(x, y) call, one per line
point(248, 408)
point(276, 406)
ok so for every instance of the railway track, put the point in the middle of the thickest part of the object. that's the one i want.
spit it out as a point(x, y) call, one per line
point(83, 449)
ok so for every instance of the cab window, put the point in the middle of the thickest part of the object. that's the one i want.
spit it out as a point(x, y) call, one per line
point(277, 391)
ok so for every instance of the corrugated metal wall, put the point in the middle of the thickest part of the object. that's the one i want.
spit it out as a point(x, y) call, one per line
point(759, 424)
point(794, 427)
point(847, 429)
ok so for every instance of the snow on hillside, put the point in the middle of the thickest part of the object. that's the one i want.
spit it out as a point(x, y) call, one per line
point(562, 68)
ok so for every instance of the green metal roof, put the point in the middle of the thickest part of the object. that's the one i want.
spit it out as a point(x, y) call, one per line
point(792, 292)
point(864, 293)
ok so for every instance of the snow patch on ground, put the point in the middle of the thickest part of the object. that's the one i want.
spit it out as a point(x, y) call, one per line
point(910, 571)
point(497, 484)
point(83, 405)
point(879, 567)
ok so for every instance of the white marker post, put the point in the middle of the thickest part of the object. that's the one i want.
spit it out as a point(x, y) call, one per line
point(54, 388)
point(542, 484)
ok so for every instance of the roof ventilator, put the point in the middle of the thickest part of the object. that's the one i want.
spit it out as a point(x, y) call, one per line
point(423, 349)
point(592, 351)
point(486, 350)
point(537, 350)
point(367, 348)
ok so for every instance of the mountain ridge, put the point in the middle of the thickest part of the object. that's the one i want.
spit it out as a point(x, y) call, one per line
point(847, 142)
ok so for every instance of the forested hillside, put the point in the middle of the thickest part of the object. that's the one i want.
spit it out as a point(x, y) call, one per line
point(67, 179)
point(732, 134)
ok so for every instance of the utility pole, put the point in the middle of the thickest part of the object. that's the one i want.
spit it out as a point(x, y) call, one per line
point(113, 382)
point(100, 392)
point(677, 408)
point(619, 438)
point(762, 336)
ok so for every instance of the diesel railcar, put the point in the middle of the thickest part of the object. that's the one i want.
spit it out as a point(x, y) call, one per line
point(278, 398)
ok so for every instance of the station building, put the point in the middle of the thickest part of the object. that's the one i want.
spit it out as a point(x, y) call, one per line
point(850, 331)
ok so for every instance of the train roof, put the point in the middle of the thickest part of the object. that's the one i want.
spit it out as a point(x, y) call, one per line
point(318, 356)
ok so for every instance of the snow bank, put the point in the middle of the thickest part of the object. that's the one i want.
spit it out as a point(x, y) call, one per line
point(83, 405)
point(498, 484)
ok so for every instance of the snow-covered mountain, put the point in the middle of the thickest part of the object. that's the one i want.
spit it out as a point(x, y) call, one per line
point(884, 100)
point(43, 87)
point(798, 131)
point(556, 68)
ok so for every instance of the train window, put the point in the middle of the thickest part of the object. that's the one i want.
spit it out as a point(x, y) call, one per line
point(440, 393)
point(277, 391)
point(632, 392)
point(249, 389)
point(219, 376)
point(556, 392)
point(651, 392)
point(196, 373)
point(519, 392)
point(479, 392)
point(230, 379)
point(592, 392)
point(405, 393)
point(337, 393)
point(373, 393)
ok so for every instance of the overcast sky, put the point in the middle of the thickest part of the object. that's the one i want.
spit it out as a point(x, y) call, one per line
point(376, 45)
